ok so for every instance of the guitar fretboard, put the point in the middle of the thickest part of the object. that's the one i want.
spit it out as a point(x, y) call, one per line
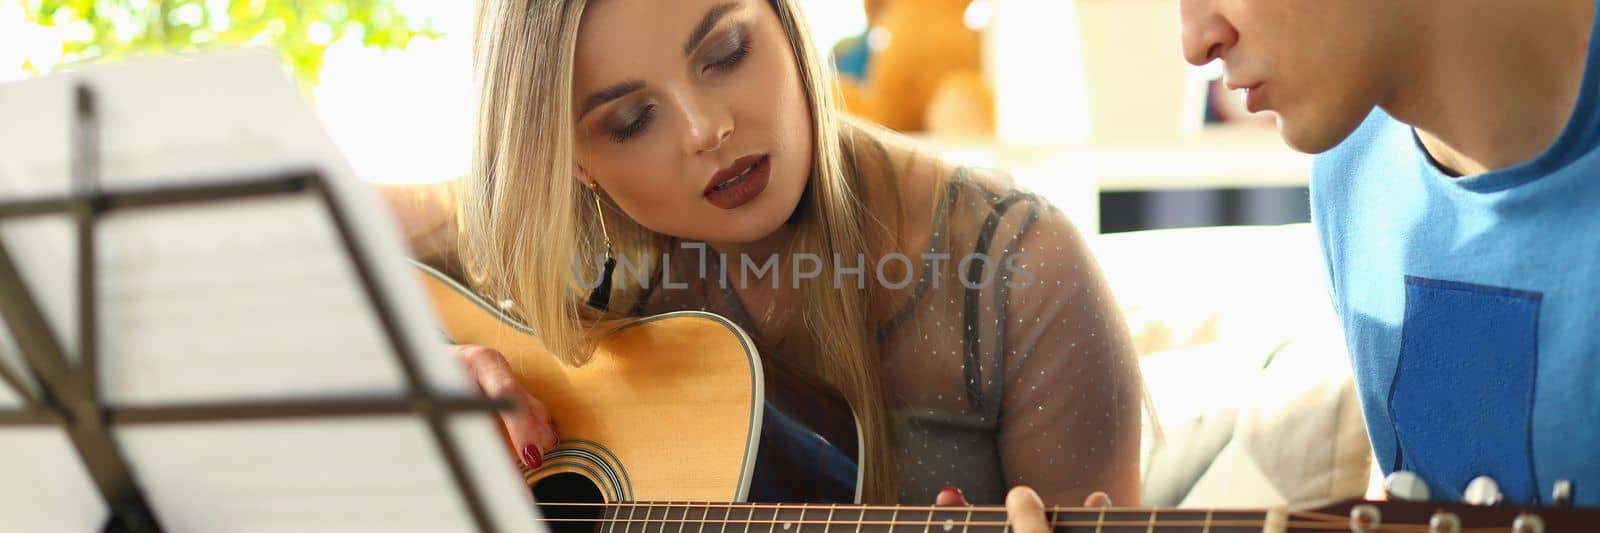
point(707, 517)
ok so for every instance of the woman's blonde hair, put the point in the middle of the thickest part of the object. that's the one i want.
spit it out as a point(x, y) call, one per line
point(522, 181)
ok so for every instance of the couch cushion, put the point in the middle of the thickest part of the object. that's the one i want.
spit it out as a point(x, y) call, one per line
point(1245, 365)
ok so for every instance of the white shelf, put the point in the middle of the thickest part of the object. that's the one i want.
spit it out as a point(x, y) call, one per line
point(1215, 158)
point(1073, 176)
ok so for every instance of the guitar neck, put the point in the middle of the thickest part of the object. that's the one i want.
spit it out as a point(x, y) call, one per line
point(704, 517)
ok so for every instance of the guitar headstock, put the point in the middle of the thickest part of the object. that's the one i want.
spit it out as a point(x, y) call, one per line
point(1368, 515)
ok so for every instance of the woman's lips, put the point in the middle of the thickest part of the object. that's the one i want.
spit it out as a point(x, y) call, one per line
point(743, 189)
point(733, 170)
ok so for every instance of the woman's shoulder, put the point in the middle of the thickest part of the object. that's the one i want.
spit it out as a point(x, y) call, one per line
point(979, 211)
point(976, 207)
point(919, 198)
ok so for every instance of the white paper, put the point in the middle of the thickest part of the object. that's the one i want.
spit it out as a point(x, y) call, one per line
point(11, 361)
point(43, 486)
point(246, 300)
point(51, 273)
point(355, 475)
point(188, 121)
point(509, 508)
point(259, 302)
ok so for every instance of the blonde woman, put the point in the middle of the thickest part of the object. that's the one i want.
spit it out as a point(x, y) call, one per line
point(963, 319)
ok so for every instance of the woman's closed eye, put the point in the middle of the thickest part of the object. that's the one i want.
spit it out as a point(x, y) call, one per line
point(633, 123)
point(731, 49)
point(726, 53)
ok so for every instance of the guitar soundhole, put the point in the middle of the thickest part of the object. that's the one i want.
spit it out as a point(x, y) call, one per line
point(553, 491)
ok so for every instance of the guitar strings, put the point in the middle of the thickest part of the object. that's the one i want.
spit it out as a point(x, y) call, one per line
point(902, 508)
point(1309, 525)
point(1308, 520)
point(1311, 515)
point(1108, 517)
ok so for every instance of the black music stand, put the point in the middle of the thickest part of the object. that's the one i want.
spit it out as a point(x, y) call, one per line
point(55, 392)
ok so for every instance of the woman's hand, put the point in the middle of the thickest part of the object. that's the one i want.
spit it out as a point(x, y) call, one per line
point(528, 423)
point(1024, 508)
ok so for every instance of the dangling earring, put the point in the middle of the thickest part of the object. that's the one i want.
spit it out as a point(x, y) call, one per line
point(600, 298)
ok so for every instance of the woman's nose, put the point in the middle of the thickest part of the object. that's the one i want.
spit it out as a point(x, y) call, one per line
point(709, 123)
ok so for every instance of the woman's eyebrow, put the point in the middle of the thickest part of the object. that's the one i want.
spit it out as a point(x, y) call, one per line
point(619, 90)
point(706, 24)
point(600, 97)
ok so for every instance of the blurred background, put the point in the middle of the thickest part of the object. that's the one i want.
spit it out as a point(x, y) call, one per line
point(1195, 209)
point(1086, 101)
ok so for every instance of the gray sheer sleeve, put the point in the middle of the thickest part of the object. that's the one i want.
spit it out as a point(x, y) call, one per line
point(1069, 410)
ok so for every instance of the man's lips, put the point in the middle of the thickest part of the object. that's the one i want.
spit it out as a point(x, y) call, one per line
point(1234, 86)
point(1255, 98)
point(733, 170)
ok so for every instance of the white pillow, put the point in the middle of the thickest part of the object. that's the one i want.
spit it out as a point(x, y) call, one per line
point(1186, 287)
point(1239, 435)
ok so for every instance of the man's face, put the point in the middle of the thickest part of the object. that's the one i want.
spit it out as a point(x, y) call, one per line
point(1321, 65)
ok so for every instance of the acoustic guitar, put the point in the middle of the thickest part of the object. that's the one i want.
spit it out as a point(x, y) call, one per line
point(663, 428)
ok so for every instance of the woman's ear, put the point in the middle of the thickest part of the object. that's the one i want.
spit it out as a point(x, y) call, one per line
point(583, 176)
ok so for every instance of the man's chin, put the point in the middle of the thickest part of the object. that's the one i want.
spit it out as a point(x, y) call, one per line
point(1309, 138)
point(1314, 130)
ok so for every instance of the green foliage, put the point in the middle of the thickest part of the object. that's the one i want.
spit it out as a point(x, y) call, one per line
point(301, 30)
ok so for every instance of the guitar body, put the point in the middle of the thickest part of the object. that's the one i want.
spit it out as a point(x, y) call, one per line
point(671, 407)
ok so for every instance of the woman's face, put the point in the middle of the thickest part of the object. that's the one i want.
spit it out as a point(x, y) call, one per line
point(691, 116)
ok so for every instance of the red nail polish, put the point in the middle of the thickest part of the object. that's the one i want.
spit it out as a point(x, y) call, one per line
point(952, 492)
point(532, 455)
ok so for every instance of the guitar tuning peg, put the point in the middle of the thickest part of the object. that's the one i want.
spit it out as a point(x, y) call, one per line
point(1403, 485)
point(1482, 491)
point(1366, 518)
point(1562, 495)
point(1443, 522)
point(1527, 523)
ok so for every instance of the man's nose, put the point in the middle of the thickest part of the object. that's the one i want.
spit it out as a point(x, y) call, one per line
point(1207, 35)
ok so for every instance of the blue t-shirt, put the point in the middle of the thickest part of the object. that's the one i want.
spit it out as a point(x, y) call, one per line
point(1471, 306)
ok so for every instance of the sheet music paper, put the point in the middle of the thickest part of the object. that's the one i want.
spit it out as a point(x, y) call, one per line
point(11, 359)
point(49, 281)
point(247, 300)
point(43, 485)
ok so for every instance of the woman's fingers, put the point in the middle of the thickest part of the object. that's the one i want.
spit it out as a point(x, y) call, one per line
point(528, 423)
point(1025, 511)
point(950, 497)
